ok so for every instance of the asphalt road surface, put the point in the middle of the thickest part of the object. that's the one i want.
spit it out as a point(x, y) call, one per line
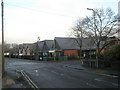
point(49, 74)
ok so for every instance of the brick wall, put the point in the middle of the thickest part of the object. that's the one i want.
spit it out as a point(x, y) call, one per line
point(70, 52)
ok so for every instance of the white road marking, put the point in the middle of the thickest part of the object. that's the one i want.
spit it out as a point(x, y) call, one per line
point(91, 85)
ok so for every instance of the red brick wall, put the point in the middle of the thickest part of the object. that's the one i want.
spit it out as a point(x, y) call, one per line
point(70, 52)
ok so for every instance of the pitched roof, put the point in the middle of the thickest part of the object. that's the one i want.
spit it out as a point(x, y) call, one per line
point(88, 44)
point(65, 43)
point(45, 45)
point(49, 43)
point(40, 45)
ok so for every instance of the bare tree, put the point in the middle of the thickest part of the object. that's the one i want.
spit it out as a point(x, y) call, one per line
point(90, 44)
point(101, 25)
point(79, 32)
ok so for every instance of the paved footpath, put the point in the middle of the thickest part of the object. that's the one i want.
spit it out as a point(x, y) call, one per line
point(12, 80)
point(106, 72)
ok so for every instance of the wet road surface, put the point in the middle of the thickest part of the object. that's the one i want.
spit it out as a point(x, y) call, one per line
point(55, 75)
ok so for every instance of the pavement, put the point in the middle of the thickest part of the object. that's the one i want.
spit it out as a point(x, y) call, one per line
point(111, 72)
point(12, 80)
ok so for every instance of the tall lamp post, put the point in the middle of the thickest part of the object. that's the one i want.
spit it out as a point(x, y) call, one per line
point(94, 24)
point(2, 7)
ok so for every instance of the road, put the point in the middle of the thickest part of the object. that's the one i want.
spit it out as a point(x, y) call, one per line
point(49, 74)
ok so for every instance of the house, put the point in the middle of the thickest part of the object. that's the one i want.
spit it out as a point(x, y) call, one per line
point(13, 50)
point(60, 47)
point(112, 41)
point(42, 49)
point(66, 46)
point(26, 49)
point(63, 46)
point(70, 47)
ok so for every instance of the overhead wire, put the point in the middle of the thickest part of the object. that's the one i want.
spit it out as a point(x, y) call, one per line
point(40, 11)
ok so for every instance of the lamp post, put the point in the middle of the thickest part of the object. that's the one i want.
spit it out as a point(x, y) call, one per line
point(95, 31)
point(94, 12)
point(2, 7)
point(37, 51)
point(90, 9)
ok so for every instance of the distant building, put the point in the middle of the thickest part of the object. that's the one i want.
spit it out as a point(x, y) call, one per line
point(26, 49)
point(69, 46)
point(60, 48)
point(65, 46)
point(43, 48)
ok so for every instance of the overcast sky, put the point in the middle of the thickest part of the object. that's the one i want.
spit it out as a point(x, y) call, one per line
point(25, 20)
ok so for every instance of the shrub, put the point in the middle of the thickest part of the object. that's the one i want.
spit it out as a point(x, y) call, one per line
point(112, 54)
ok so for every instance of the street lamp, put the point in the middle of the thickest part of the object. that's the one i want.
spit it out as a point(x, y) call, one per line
point(94, 12)
point(94, 24)
point(90, 9)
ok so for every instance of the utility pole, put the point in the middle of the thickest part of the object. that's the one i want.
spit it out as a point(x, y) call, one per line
point(2, 6)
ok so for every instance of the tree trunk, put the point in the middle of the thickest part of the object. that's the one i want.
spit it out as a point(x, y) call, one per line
point(80, 52)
